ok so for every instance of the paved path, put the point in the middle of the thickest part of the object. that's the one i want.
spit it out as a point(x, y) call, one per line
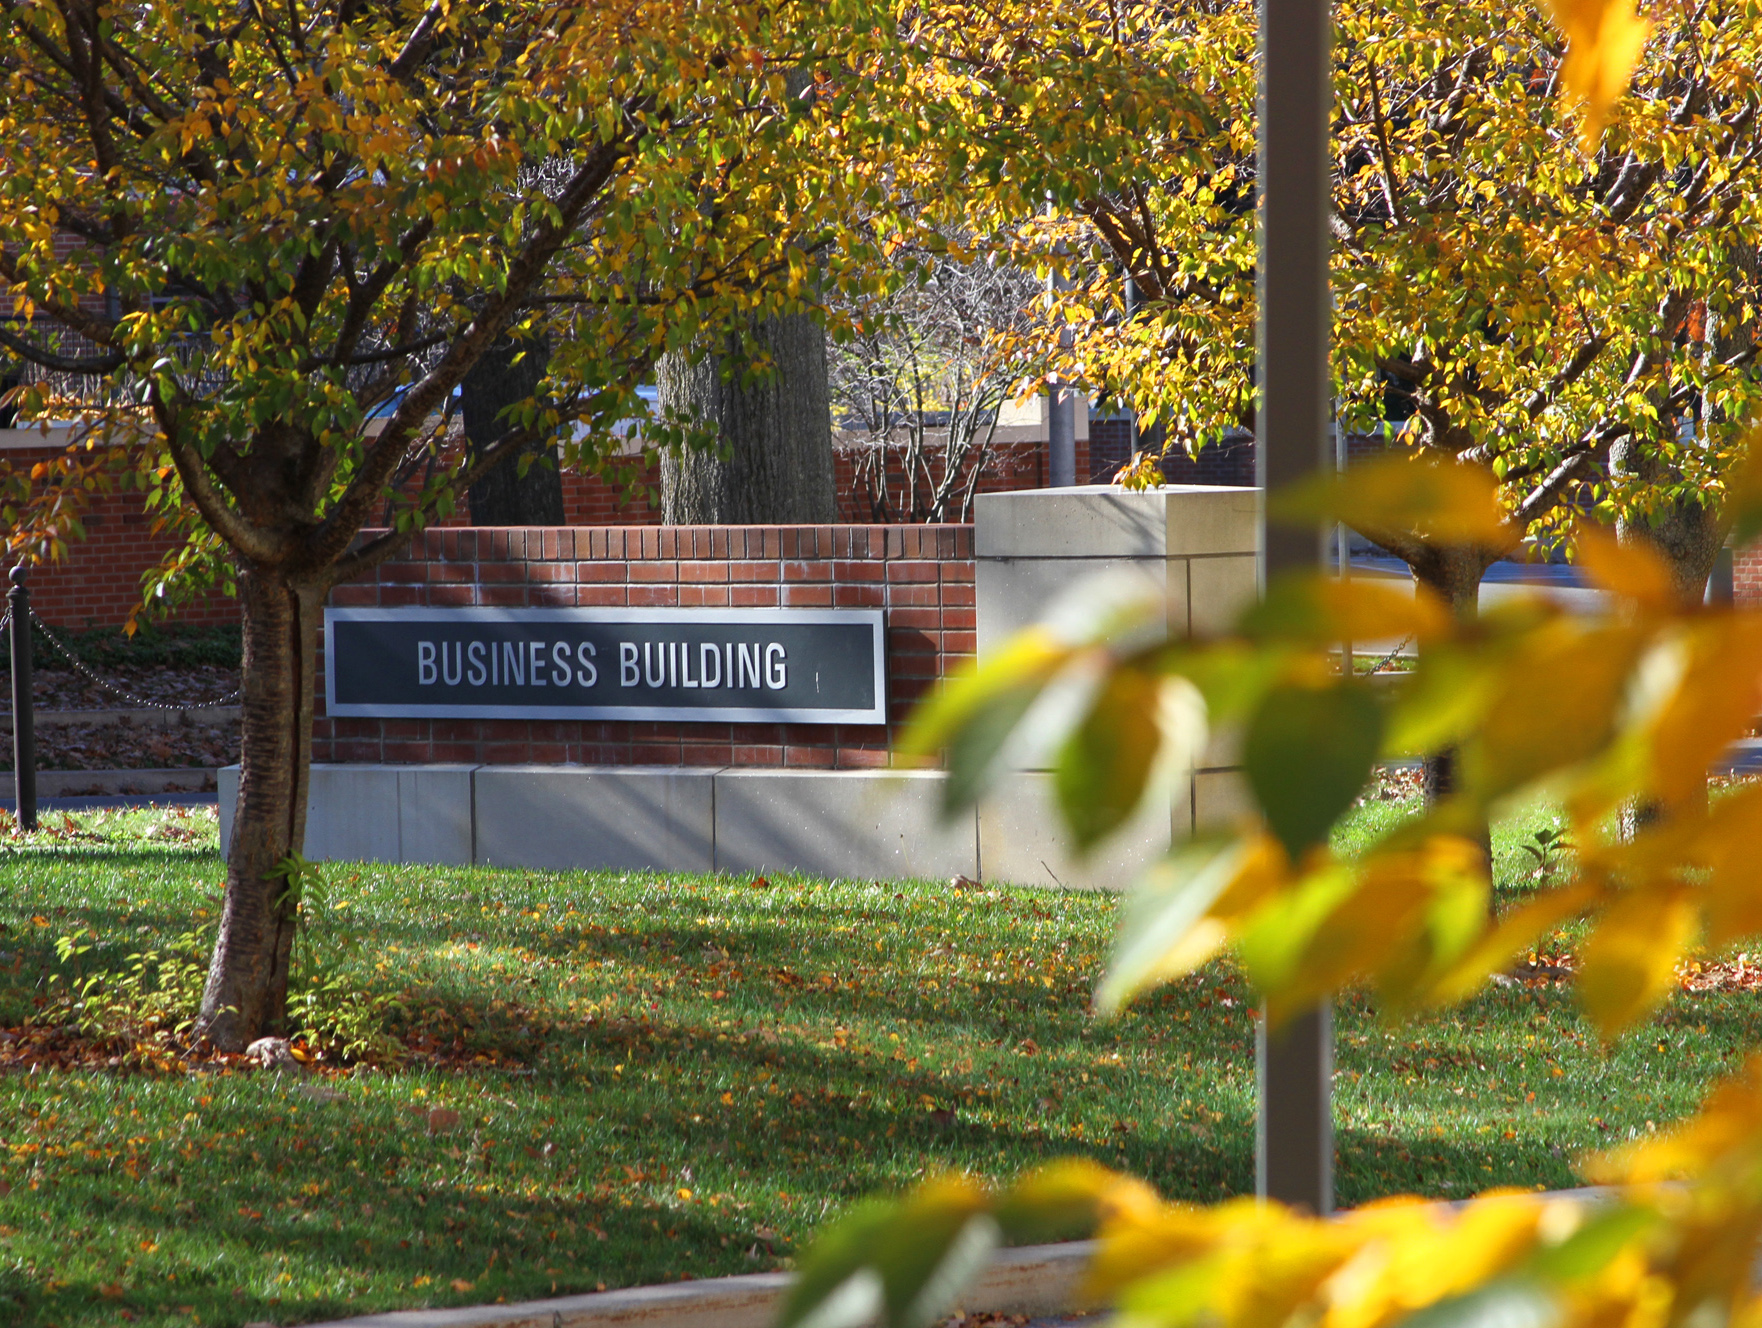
point(209, 799)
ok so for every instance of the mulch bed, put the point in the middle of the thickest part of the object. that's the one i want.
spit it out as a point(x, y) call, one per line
point(63, 689)
point(126, 745)
point(122, 743)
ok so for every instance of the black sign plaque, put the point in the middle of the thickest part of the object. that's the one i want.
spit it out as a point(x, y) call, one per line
point(797, 666)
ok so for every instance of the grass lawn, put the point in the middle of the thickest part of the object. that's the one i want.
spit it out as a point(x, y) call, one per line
point(618, 1079)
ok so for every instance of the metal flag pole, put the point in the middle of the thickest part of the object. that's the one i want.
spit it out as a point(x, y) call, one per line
point(1294, 1146)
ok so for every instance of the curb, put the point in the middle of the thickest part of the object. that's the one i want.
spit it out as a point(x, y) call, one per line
point(1032, 1280)
point(108, 783)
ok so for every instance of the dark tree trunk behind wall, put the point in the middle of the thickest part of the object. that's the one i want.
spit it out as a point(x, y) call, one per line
point(509, 372)
point(775, 428)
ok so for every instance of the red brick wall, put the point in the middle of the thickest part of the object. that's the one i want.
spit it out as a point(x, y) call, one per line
point(1746, 574)
point(922, 576)
point(100, 579)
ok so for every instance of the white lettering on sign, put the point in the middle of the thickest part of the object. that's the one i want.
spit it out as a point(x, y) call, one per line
point(795, 666)
point(730, 665)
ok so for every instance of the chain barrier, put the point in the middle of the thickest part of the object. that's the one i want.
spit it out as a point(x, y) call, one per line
point(137, 701)
point(1389, 658)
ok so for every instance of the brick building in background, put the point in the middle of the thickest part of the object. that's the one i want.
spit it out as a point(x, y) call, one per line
point(100, 580)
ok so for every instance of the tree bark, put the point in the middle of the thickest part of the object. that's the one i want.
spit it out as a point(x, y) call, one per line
point(509, 372)
point(773, 424)
point(247, 989)
point(1686, 534)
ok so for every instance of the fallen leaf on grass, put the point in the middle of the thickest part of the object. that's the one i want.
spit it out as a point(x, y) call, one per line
point(461, 1285)
point(440, 1120)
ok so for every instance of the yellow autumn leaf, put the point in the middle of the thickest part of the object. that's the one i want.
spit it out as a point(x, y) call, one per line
point(1557, 704)
point(1725, 845)
point(1726, 1128)
point(1632, 571)
point(1604, 41)
point(1329, 609)
point(1408, 490)
point(1719, 693)
point(1514, 933)
point(1629, 962)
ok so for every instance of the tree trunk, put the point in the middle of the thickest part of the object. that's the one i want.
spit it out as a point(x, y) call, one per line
point(247, 990)
point(773, 425)
point(509, 372)
point(1453, 573)
point(1684, 533)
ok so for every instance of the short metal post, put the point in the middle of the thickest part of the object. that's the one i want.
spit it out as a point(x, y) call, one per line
point(1296, 1152)
point(24, 725)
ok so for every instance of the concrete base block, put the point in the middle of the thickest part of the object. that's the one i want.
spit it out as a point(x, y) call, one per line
point(1195, 544)
point(352, 814)
point(1022, 840)
point(1011, 593)
point(621, 817)
point(435, 815)
point(1218, 590)
point(1221, 799)
point(861, 823)
point(377, 813)
point(877, 824)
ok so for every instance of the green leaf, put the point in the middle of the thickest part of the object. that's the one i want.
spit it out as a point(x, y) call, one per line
point(1065, 1200)
point(1157, 939)
point(1308, 753)
point(974, 748)
point(909, 1259)
point(1589, 1249)
point(974, 713)
point(1107, 760)
point(929, 1259)
point(835, 1286)
point(1504, 1304)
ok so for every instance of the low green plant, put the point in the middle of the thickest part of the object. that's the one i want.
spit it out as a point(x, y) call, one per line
point(157, 988)
point(326, 1000)
point(1548, 848)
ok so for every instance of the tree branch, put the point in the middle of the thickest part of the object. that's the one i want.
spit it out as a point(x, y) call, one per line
point(89, 364)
